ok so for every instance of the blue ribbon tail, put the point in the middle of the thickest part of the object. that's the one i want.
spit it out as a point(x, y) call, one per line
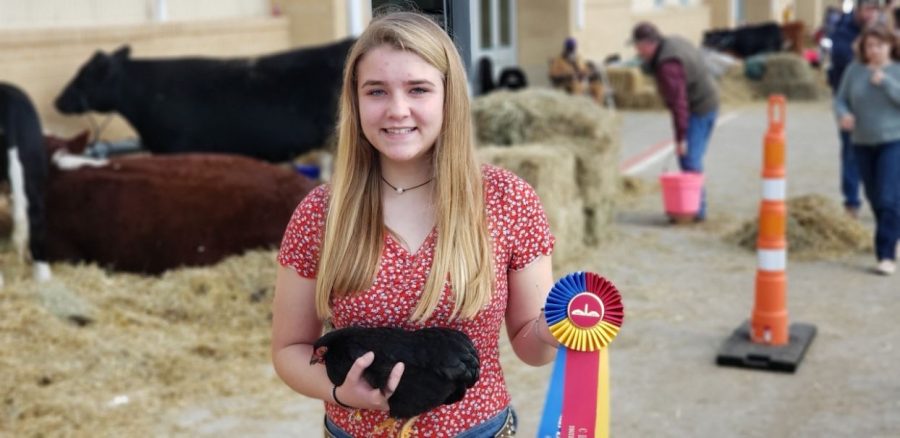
point(552, 416)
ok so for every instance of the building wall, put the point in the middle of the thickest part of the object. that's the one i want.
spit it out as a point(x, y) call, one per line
point(688, 22)
point(43, 60)
point(607, 28)
point(758, 11)
point(52, 13)
point(321, 21)
point(542, 27)
point(721, 14)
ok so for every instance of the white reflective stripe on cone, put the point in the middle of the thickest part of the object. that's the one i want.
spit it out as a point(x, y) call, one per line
point(771, 259)
point(773, 189)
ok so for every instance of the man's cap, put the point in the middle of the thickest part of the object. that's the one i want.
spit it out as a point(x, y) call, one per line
point(645, 31)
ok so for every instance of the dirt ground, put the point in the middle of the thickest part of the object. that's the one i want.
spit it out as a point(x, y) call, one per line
point(685, 288)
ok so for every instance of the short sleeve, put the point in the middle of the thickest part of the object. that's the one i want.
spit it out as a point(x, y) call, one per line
point(530, 230)
point(302, 239)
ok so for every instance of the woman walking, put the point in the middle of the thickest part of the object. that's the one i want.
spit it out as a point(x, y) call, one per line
point(868, 105)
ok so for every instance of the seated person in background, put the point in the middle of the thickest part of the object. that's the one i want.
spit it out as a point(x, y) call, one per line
point(568, 71)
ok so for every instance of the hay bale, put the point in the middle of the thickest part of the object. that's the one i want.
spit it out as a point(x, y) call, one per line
point(735, 88)
point(551, 170)
point(597, 179)
point(626, 80)
point(817, 228)
point(787, 67)
point(633, 89)
point(534, 115)
point(568, 123)
point(791, 75)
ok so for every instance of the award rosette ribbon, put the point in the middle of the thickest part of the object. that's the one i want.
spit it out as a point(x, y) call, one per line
point(584, 312)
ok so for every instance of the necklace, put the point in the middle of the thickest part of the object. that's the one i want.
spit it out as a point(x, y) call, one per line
point(401, 190)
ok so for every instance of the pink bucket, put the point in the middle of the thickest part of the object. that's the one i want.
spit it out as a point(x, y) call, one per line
point(681, 192)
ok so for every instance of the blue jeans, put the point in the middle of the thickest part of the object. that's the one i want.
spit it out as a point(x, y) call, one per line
point(699, 129)
point(879, 167)
point(849, 172)
point(487, 429)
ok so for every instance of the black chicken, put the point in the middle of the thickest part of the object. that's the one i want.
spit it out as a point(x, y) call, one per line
point(439, 363)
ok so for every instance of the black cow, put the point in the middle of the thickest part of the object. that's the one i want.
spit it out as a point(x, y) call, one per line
point(271, 107)
point(746, 41)
point(23, 163)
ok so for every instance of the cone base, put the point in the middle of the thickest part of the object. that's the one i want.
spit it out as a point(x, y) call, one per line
point(740, 351)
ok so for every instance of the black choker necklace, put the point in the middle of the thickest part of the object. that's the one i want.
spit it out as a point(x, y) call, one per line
point(401, 190)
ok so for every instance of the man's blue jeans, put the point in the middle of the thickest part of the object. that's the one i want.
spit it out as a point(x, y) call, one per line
point(699, 130)
point(849, 172)
point(879, 167)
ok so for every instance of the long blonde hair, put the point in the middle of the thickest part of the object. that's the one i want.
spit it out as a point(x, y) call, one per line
point(354, 227)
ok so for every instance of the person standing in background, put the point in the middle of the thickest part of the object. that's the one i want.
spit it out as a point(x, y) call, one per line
point(688, 90)
point(842, 37)
point(867, 105)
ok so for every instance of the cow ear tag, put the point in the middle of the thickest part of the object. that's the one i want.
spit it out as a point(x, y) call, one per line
point(584, 312)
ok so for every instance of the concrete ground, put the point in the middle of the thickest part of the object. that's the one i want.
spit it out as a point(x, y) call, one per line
point(685, 289)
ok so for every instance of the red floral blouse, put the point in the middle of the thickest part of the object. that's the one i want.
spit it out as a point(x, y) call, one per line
point(520, 234)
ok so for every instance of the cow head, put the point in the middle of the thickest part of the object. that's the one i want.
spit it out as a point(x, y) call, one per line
point(95, 86)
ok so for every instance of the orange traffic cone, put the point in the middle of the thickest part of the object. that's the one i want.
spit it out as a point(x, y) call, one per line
point(767, 342)
point(769, 317)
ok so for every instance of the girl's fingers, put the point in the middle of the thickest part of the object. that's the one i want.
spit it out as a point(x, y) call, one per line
point(359, 365)
point(393, 380)
point(378, 398)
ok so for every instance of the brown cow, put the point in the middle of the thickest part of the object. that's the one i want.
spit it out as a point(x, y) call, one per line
point(152, 213)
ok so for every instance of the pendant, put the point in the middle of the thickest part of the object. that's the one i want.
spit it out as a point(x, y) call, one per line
point(400, 190)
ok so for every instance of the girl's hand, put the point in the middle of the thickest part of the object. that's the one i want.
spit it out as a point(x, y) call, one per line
point(847, 122)
point(356, 392)
point(877, 75)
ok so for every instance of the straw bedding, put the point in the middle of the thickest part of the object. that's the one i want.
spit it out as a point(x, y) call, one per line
point(817, 228)
point(95, 353)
